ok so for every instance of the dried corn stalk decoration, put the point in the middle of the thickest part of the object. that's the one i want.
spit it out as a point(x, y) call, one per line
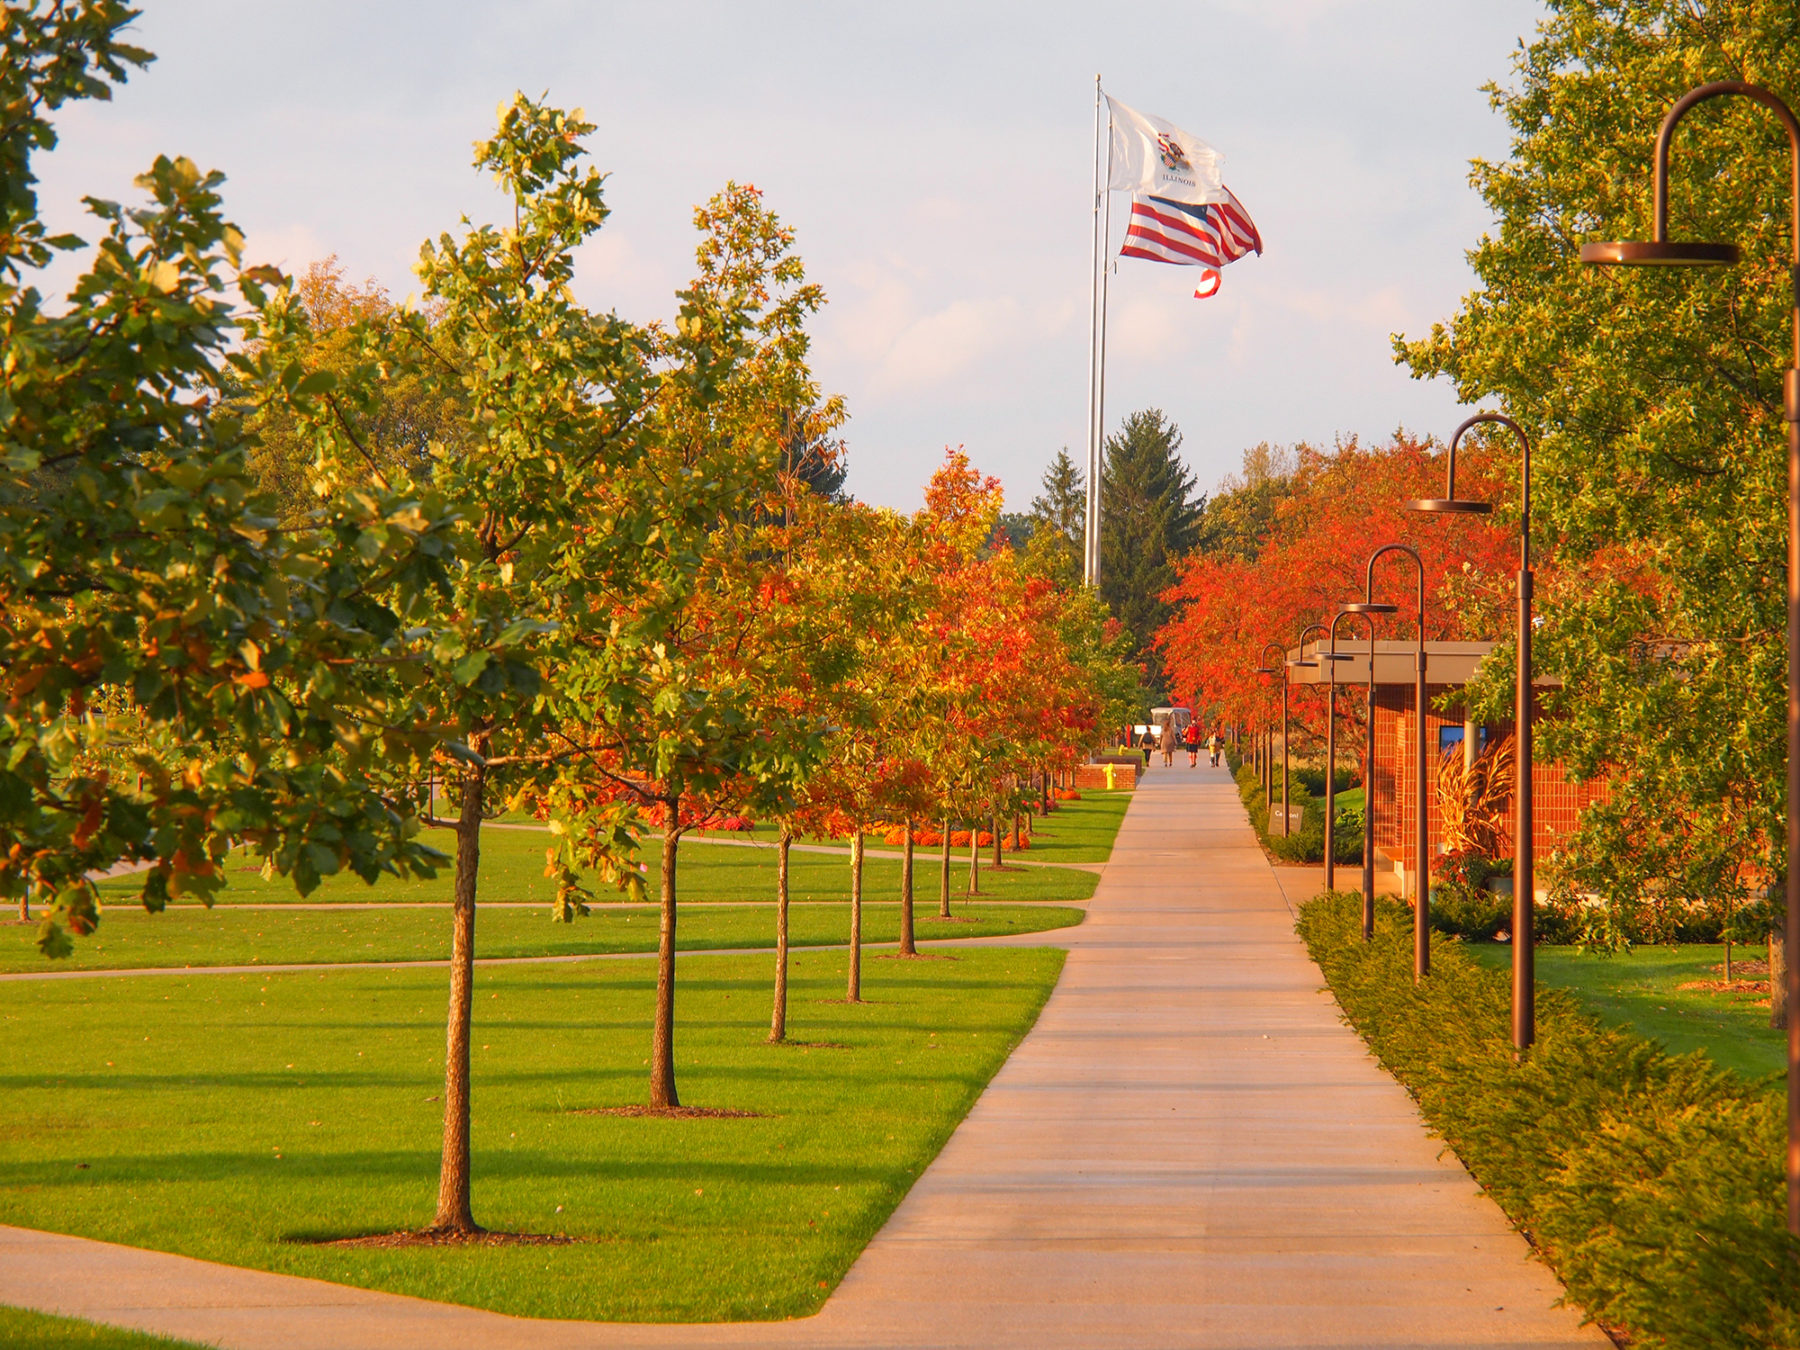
point(1474, 800)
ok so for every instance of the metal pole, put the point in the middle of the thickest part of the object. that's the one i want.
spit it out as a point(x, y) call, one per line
point(1331, 759)
point(1099, 470)
point(1422, 883)
point(1524, 937)
point(1331, 763)
point(1087, 543)
point(1368, 861)
point(1285, 811)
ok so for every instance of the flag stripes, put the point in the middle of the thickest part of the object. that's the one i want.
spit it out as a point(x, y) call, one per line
point(1184, 234)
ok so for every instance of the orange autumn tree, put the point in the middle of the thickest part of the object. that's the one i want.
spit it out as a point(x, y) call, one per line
point(1312, 556)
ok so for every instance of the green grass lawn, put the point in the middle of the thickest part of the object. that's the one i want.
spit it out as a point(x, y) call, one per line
point(512, 865)
point(1640, 989)
point(230, 936)
point(512, 871)
point(22, 1330)
point(1080, 831)
point(239, 1118)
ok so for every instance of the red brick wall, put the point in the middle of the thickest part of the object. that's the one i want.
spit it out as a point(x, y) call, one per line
point(1556, 802)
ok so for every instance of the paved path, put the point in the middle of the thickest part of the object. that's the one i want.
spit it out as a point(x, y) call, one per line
point(1190, 1149)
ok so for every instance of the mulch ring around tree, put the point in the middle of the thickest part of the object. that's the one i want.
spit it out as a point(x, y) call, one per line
point(1737, 984)
point(439, 1237)
point(669, 1112)
point(916, 956)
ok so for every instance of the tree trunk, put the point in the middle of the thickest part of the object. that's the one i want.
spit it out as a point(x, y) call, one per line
point(999, 840)
point(1778, 1010)
point(662, 1039)
point(1048, 796)
point(1726, 935)
point(454, 1214)
point(25, 905)
point(944, 875)
point(1018, 833)
point(853, 992)
point(907, 946)
point(778, 1019)
point(975, 856)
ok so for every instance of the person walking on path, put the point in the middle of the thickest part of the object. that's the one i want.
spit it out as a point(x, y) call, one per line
point(1215, 744)
point(1165, 738)
point(1193, 744)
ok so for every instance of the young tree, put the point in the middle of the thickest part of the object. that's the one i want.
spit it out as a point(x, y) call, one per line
point(709, 719)
point(585, 502)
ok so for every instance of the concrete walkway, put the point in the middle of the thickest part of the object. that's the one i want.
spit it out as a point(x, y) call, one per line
point(1190, 1149)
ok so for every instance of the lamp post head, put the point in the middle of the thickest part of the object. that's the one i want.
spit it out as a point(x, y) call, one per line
point(1305, 662)
point(1368, 607)
point(1338, 656)
point(1449, 506)
point(1264, 670)
point(1657, 253)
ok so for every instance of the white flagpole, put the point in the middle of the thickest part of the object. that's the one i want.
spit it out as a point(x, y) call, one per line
point(1099, 458)
point(1091, 532)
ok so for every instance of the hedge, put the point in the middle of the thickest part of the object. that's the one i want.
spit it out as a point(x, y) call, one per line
point(1307, 844)
point(1651, 1182)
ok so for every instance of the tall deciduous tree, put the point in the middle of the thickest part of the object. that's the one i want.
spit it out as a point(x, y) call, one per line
point(1654, 396)
point(1150, 519)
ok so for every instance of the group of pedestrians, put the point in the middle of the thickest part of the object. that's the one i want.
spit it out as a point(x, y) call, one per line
point(1195, 742)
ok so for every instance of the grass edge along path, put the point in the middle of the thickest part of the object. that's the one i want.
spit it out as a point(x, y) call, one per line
point(259, 1118)
point(23, 1329)
point(1651, 1183)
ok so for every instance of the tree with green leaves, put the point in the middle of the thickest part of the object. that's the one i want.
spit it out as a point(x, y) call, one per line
point(1150, 518)
point(144, 578)
point(1062, 507)
point(1240, 516)
point(710, 720)
point(597, 467)
point(1654, 398)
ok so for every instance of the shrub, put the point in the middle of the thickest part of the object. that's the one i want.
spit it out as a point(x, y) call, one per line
point(1651, 1182)
point(1471, 912)
point(1307, 844)
point(1312, 781)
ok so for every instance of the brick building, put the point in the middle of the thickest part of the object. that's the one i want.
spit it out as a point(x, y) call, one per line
point(1393, 782)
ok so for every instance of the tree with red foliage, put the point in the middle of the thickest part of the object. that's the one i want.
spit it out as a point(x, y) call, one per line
point(1340, 507)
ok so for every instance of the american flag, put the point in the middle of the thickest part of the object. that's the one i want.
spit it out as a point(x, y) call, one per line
point(1179, 232)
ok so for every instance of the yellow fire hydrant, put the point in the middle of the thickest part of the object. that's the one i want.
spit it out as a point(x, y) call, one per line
point(1111, 783)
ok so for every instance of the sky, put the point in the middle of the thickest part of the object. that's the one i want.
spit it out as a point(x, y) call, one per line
point(935, 162)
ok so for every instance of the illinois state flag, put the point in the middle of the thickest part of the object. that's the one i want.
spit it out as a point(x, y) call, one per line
point(1206, 236)
point(1159, 159)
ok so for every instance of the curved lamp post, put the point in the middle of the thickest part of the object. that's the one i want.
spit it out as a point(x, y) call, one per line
point(1269, 747)
point(1301, 662)
point(1422, 881)
point(1524, 938)
point(1664, 252)
point(1331, 658)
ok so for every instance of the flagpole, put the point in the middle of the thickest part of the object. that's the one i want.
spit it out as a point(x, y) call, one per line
point(1091, 532)
point(1100, 366)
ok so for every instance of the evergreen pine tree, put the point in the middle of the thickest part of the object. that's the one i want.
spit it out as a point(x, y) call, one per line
point(1150, 517)
point(1063, 506)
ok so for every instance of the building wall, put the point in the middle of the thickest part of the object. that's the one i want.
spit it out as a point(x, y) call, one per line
point(1556, 802)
